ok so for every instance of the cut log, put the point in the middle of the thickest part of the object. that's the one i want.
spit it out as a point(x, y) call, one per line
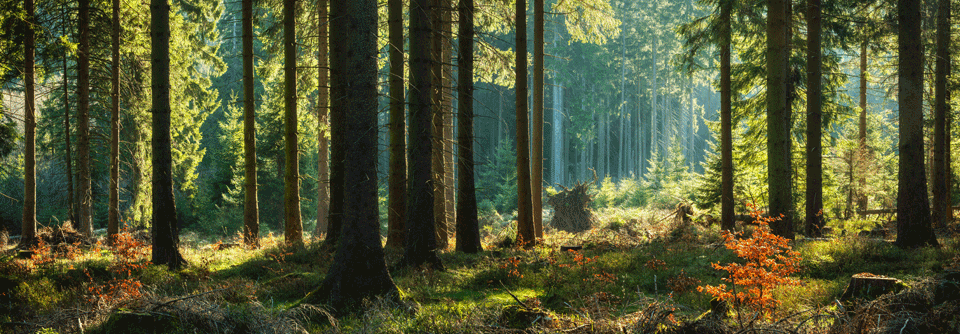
point(866, 286)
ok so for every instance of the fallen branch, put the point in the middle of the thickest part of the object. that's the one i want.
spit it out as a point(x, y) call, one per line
point(515, 297)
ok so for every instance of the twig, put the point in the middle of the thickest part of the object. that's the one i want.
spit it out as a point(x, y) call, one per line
point(904, 325)
point(187, 297)
point(515, 297)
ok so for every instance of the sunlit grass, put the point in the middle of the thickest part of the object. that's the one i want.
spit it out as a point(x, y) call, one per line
point(631, 257)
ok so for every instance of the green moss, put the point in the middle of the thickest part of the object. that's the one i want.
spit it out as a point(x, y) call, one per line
point(39, 295)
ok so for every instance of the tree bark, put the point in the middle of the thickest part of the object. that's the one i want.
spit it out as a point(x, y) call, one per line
point(814, 207)
point(72, 195)
point(726, 128)
point(251, 211)
point(83, 119)
point(779, 171)
point(941, 182)
point(468, 226)
point(862, 128)
point(449, 142)
point(358, 271)
point(113, 218)
point(323, 103)
point(165, 235)
point(396, 215)
point(439, 166)
point(28, 230)
point(536, 166)
point(337, 138)
point(913, 207)
point(526, 231)
point(293, 227)
point(421, 248)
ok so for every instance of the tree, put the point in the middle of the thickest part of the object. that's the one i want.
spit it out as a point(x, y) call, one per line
point(165, 234)
point(358, 270)
point(113, 218)
point(526, 233)
point(323, 100)
point(251, 212)
point(28, 231)
point(398, 160)
point(447, 111)
point(536, 167)
point(421, 238)
point(293, 227)
point(726, 128)
point(468, 226)
point(913, 207)
point(814, 206)
point(862, 123)
point(83, 119)
point(779, 170)
point(337, 153)
point(440, 102)
point(941, 136)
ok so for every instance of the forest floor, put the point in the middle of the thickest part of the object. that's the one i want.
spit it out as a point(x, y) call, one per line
point(637, 272)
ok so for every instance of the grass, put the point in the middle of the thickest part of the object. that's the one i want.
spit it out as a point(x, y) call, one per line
point(633, 266)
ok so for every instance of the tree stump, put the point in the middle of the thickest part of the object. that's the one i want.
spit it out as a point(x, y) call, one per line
point(572, 209)
point(866, 286)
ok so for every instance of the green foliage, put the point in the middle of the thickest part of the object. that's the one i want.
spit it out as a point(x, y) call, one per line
point(39, 295)
point(497, 181)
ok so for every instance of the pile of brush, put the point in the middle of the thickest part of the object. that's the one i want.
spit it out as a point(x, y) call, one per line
point(572, 208)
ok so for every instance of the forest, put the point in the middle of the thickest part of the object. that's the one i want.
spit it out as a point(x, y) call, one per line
point(479, 166)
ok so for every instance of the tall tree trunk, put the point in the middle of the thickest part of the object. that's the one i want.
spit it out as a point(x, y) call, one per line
point(166, 235)
point(439, 170)
point(337, 138)
point(468, 226)
point(449, 181)
point(323, 104)
point(941, 183)
point(726, 128)
point(71, 194)
point(398, 159)
point(83, 118)
point(862, 126)
point(251, 211)
point(536, 159)
point(814, 207)
point(779, 172)
point(654, 104)
point(293, 227)
point(113, 218)
point(913, 207)
point(358, 271)
point(421, 238)
point(559, 169)
point(28, 229)
point(526, 231)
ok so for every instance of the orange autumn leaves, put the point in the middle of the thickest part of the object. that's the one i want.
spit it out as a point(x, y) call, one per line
point(768, 261)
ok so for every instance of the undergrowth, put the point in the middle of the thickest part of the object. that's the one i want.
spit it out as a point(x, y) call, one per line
point(636, 271)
